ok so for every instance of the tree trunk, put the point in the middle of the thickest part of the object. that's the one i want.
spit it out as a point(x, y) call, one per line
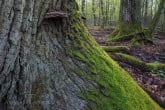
point(129, 19)
point(102, 14)
point(145, 22)
point(54, 64)
point(107, 12)
point(83, 6)
point(94, 12)
point(156, 18)
point(130, 12)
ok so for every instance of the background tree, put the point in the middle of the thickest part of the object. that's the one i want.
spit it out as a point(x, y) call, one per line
point(105, 11)
point(130, 26)
point(102, 14)
point(83, 8)
point(156, 17)
point(111, 11)
point(94, 12)
point(129, 20)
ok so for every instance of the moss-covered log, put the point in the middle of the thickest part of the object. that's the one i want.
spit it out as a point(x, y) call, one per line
point(124, 49)
point(137, 63)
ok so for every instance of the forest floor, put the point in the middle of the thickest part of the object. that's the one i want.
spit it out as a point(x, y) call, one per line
point(151, 82)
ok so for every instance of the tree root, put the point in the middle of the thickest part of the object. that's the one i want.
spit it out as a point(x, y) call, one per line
point(134, 38)
point(124, 49)
point(130, 60)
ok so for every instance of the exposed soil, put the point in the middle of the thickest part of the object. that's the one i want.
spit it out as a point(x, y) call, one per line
point(151, 82)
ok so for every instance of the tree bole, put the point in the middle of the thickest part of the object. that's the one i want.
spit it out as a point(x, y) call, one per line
point(56, 65)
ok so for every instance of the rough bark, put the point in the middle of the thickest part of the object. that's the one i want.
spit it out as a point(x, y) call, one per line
point(54, 64)
point(33, 60)
point(130, 15)
point(130, 12)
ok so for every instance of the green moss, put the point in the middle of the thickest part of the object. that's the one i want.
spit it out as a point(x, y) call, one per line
point(115, 48)
point(127, 37)
point(118, 38)
point(138, 63)
point(117, 90)
point(129, 32)
point(153, 66)
point(129, 60)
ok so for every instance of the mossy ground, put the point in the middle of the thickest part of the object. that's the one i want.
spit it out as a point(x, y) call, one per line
point(117, 90)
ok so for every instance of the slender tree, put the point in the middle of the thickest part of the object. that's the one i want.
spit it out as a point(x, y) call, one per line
point(94, 12)
point(156, 17)
point(83, 7)
point(107, 12)
point(145, 12)
point(102, 14)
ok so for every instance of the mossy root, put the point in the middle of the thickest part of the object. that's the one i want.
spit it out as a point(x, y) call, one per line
point(135, 38)
point(124, 49)
point(137, 63)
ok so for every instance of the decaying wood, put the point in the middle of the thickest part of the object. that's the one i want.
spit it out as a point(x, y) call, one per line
point(56, 14)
